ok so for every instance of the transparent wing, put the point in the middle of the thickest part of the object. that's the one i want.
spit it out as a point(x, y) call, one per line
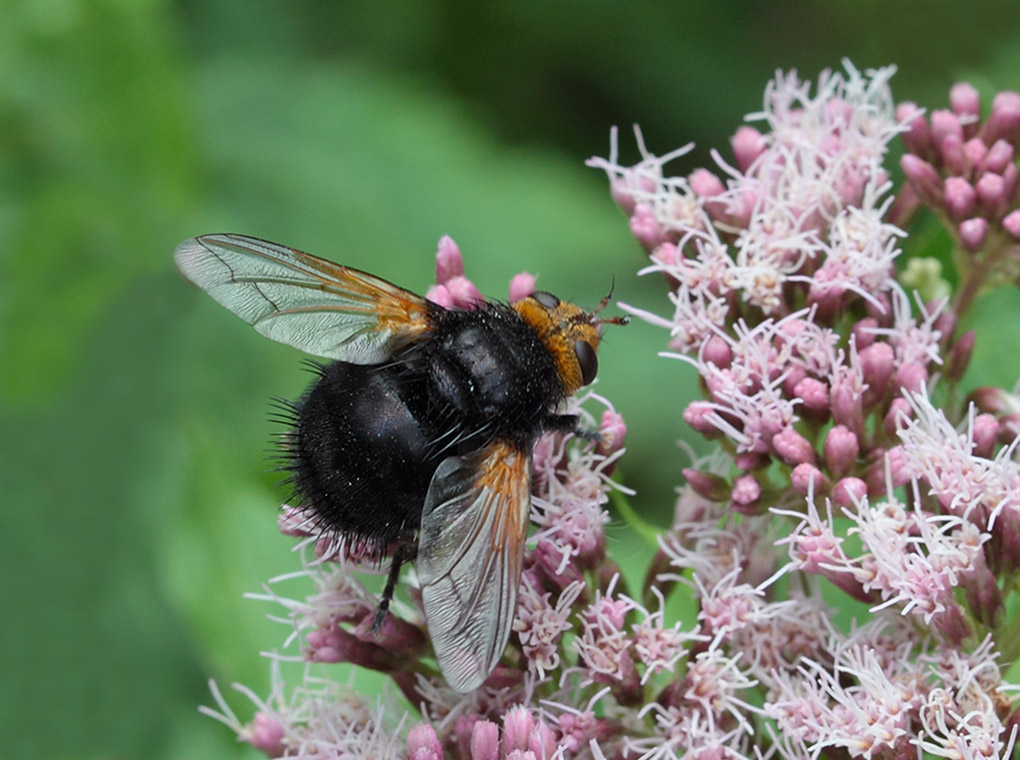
point(312, 304)
point(474, 525)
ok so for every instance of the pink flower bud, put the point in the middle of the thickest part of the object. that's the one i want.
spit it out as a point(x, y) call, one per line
point(551, 572)
point(849, 491)
point(706, 484)
point(423, 744)
point(847, 404)
point(999, 156)
point(863, 332)
point(449, 262)
point(1004, 119)
point(542, 740)
point(805, 476)
point(973, 233)
point(945, 124)
point(841, 449)
point(463, 293)
point(623, 194)
point(517, 725)
point(990, 189)
point(959, 355)
point(706, 184)
point(917, 138)
point(878, 362)
point(954, 158)
point(911, 377)
point(439, 294)
point(521, 286)
point(960, 198)
point(883, 461)
point(900, 412)
point(266, 733)
point(975, 150)
point(815, 397)
point(747, 143)
point(645, 227)
point(484, 741)
point(718, 352)
point(923, 177)
point(1011, 223)
point(991, 399)
point(792, 447)
point(986, 433)
point(952, 625)
point(964, 99)
point(746, 491)
point(667, 254)
point(697, 415)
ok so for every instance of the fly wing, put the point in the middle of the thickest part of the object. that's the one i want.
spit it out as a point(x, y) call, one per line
point(473, 529)
point(322, 308)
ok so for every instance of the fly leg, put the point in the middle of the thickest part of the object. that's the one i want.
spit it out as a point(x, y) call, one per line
point(405, 552)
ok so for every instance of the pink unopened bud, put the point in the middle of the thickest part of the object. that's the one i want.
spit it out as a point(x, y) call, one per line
point(991, 399)
point(423, 744)
point(751, 461)
point(990, 189)
point(878, 362)
point(266, 733)
point(542, 741)
point(975, 150)
point(463, 293)
point(863, 332)
point(698, 415)
point(841, 450)
point(964, 99)
point(552, 571)
point(899, 414)
point(645, 227)
point(706, 184)
point(847, 403)
point(1004, 119)
point(706, 484)
point(973, 233)
point(746, 492)
point(517, 725)
point(923, 177)
point(807, 476)
point(449, 262)
point(986, 433)
point(885, 463)
point(747, 143)
point(439, 294)
point(718, 352)
point(521, 286)
point(1011, 223)
point(911, 377)
point(792, 447)
point(335, 644)
point(917, 138)
point(945, 124)
point(999, 156)
point(849, 491)
point(954, 157)
point(484, 741)
point(959, 355)
point(960, 198)
point(815, 397)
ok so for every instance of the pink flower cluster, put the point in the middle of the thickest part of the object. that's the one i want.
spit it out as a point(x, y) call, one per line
point(850, 477)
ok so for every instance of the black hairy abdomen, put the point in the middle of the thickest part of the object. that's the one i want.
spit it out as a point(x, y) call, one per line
point(359, 457)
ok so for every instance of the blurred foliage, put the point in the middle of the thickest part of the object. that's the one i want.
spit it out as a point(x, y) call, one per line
point(133, 410)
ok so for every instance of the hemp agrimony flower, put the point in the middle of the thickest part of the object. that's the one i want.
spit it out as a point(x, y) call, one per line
point(848, 551)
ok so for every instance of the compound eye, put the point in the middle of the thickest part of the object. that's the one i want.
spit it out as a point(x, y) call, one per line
point(548, 300)
point(586, 360)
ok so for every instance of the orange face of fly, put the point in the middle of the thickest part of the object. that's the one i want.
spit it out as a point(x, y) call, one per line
point(570, 335)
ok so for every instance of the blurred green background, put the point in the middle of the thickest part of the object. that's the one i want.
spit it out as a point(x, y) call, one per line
point(138, 505)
